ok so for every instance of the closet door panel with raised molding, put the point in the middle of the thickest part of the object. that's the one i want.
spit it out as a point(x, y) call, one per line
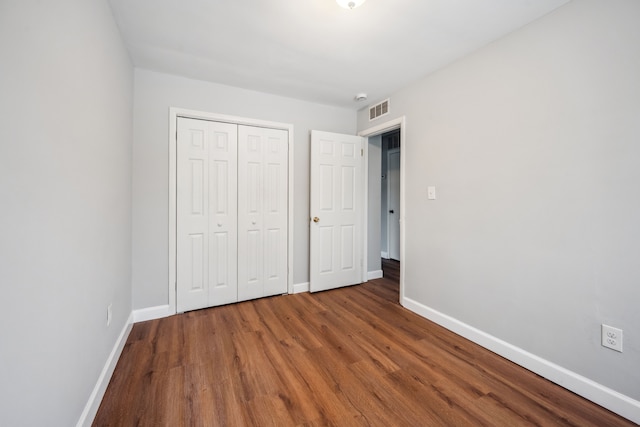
point(262, 212)
point(206, 204)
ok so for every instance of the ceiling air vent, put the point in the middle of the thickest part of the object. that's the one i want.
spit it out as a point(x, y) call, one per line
point(379, 110)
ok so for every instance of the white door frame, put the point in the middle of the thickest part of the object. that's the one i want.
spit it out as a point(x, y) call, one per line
point(174, 113)
point(398, 123)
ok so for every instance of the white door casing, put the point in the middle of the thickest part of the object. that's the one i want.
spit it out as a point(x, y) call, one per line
point(393, 204)
point(337, 210)
point(206, 213)
point(397, 123)
point(262, 212)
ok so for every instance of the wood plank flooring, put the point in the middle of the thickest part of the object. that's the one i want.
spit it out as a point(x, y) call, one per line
point(347, 357)
point(391, 269)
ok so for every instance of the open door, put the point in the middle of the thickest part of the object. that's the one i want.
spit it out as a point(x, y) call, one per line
point(337, 209)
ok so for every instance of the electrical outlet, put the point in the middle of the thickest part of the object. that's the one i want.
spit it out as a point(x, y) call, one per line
point(612, 338)
point(109, 314)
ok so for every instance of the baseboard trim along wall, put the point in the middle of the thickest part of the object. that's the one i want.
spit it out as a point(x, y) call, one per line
point(595, 392)
point(151, 313)
point(301, 287)
point(91, 408)
point(377, 274)
point(384, 255)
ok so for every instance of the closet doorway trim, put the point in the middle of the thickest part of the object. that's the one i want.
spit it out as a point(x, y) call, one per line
point(174, 113)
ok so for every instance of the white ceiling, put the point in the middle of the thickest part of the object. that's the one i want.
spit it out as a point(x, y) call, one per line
point(314, 49)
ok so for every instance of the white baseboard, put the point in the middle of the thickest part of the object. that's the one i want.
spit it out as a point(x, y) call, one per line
point(377, 274)
point(91, 408)
point(384, 255)
point(151, 313)
point(610, 399)
point(301, 287)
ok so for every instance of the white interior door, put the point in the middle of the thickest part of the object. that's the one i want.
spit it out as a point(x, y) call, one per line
point(393, 203)
point(262, 212)
point(337, 220)
point(206, 270)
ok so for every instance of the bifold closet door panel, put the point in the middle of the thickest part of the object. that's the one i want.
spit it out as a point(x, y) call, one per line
point(206, 264)
point(262, 212)
point(223, 218)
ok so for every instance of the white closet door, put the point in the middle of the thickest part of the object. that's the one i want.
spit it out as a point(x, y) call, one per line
point(206, 214)
point(223, 217)
point(262, 212)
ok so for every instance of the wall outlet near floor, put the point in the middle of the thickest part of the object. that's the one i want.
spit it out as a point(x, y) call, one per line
point(109, 314)
point(612, 337)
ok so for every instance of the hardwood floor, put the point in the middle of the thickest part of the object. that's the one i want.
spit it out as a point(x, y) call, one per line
point(391, 270)
point(347, 357)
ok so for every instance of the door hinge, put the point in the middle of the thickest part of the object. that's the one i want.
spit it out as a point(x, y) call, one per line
point(362, 152)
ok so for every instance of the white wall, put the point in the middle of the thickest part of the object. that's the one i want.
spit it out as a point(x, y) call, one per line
point(66, 86)
point(533, 144)
point(155, 93)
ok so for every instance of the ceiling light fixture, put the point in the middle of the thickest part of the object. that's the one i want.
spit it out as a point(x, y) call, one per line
point(350, 4)
point(361, 97)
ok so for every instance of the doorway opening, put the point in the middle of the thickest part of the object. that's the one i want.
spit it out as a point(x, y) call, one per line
point(385, 156)
point(390, 205)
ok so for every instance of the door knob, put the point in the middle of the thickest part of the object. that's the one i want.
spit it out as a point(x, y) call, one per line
point(391, 211)
point(316, 219)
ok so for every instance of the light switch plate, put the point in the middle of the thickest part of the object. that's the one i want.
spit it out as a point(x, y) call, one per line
point(431, 193)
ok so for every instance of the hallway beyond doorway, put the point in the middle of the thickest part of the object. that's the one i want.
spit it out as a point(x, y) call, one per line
point(391, 270)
